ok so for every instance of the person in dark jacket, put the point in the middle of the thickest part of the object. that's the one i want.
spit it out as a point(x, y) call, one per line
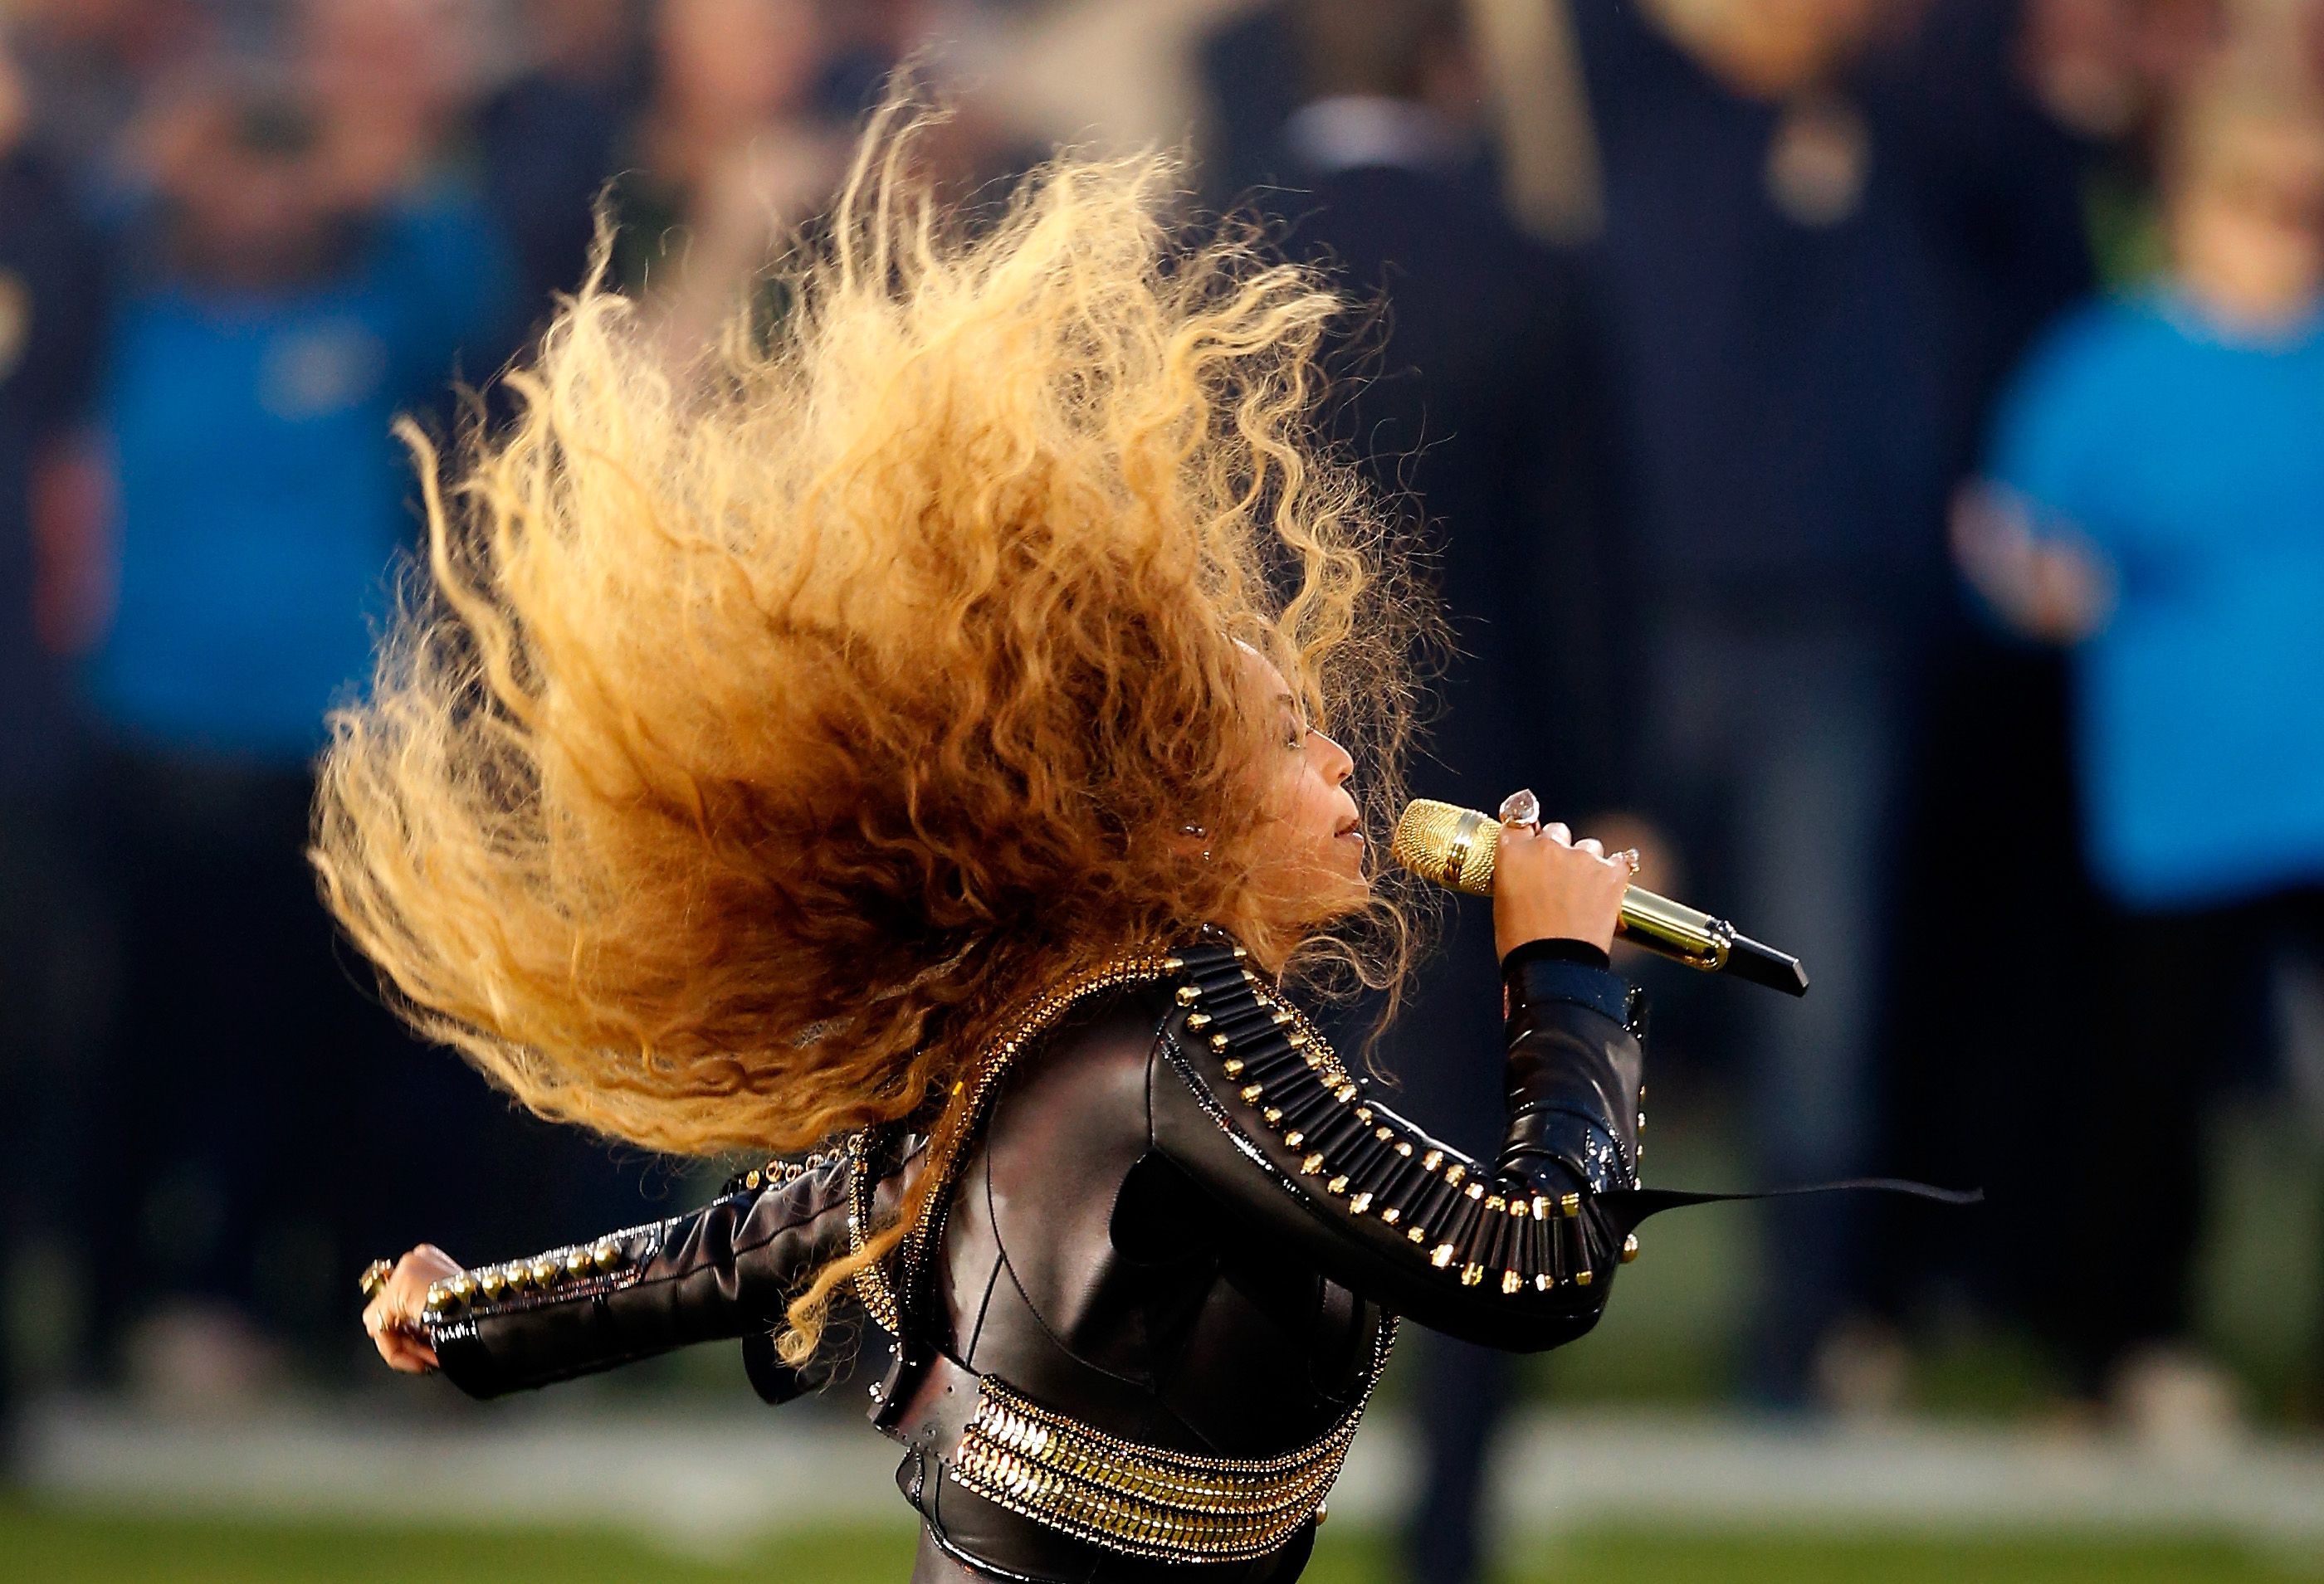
point(909, 743)
point(1477, 400)
point(1775, 313)
point(52, 303)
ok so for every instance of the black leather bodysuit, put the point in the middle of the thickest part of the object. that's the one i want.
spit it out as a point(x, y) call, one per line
point(1177, 1235)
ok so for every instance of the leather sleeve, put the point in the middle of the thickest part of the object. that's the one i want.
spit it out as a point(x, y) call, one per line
point(722, 1271)
point(1516, 1253)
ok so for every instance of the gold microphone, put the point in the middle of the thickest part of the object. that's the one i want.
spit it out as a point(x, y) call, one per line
point(1455, 847)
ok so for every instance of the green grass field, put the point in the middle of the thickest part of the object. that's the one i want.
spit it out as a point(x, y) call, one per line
point(47, 1545)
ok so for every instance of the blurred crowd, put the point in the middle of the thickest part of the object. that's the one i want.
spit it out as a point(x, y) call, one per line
point(1872, 450)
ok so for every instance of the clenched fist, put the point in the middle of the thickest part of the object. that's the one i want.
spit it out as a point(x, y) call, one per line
point(392, 1315)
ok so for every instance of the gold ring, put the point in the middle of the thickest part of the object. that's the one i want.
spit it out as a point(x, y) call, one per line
point(374, 1276)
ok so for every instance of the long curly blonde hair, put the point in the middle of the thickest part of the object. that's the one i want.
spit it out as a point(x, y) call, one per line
point(764, 731)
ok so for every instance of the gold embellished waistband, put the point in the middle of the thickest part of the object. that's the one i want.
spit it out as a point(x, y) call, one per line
point(1142, 1500)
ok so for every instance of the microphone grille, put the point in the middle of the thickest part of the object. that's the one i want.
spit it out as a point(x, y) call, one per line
point(1446, 844)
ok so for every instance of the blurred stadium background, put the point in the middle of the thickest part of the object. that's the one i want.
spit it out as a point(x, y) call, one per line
point(1874, 456)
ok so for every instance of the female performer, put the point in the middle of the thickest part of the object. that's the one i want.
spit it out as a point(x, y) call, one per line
point(904, 737)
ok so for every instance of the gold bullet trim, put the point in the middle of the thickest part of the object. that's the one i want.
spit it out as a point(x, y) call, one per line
point(1141, 1500)
point(1464, 1257)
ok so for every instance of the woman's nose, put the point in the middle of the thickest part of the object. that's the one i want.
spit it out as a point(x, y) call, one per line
point(1338, 764)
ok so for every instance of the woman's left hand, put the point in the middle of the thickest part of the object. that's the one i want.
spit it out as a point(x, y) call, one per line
point(392, 1315)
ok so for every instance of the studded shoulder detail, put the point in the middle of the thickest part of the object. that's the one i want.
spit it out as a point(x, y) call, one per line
point(1507, 1231)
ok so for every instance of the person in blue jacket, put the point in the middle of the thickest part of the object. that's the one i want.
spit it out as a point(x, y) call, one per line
point(2156, 502)
point(266, 330)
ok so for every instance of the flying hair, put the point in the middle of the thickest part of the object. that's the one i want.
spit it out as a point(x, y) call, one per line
point(760, 734)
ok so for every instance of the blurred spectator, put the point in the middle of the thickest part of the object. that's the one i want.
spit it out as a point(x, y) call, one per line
point(972, 57)
point(51, 307)
point(1250, 69)
point(2108, 70)
point(269, 333)
point(2002, 173)
point(267, 328)
point(550, 135)
point(93, 66)
point(2004, 164)
point(864, 41)
point(1113, 75)
point(2159, 506)
point(1775, 316)
point(729, 151)
point(404, 81)
point(1471, 394)
point(398, 77)
point(2039, 119)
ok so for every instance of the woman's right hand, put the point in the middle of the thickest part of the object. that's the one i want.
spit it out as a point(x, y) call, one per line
point(1547, 886)
point(392, 1316)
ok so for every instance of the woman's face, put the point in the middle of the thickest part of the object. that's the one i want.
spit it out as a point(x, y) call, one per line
point(1313, 868)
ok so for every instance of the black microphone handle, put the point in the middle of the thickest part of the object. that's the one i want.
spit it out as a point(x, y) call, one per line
point(1762, 964)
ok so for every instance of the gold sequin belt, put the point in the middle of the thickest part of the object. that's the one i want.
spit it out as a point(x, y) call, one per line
point(1122, 1496)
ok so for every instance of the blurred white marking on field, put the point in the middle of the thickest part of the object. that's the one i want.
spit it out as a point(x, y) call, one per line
point(713, 1480)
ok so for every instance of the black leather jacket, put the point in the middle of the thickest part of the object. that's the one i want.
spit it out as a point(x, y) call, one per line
point(1142, 1239)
